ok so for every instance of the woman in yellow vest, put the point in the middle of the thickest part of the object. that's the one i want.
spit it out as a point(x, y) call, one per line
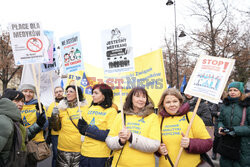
point(135, 143)
point(69, 140)
point(174, 118)
point(30, 115)
point(95, 126)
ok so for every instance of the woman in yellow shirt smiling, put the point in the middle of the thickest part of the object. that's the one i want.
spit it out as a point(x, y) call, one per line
point(135, 143)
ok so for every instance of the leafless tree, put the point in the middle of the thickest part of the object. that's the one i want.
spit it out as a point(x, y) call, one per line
point(8, 69)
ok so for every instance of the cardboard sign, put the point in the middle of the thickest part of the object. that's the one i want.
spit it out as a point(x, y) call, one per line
point(117, 50)
point(27, 41)
point(209, 78)
point(71, 53)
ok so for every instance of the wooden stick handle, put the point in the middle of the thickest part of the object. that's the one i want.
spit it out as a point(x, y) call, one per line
point(37, 86)
point(52, 86)
point(122, 115)
point(78, 103)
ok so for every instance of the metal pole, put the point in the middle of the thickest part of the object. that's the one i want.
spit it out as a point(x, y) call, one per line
point(176, 56)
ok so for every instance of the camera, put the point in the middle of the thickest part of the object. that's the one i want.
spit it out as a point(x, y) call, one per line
point(225, 130)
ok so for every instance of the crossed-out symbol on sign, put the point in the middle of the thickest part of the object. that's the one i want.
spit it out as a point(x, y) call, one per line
point(34, 44)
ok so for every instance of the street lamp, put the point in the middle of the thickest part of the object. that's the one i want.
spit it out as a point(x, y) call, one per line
point(170, 2)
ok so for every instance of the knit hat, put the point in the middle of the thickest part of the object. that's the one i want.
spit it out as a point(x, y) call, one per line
point(27, 86)
point(238, 85)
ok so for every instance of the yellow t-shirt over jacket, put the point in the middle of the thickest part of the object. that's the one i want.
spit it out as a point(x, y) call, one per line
point(172, 127)
point(69, 139)
point(29, 117)
point(101, 119)
point(149, 127)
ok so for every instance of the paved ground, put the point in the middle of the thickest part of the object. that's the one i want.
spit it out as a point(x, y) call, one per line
point(47, 162)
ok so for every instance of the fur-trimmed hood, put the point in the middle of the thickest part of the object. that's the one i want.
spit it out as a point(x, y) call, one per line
point(243, 103)
point(64, 104)
point(147, 110)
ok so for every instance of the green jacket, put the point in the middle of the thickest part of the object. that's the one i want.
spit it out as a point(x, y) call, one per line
point(9, 113)
point(230, 117)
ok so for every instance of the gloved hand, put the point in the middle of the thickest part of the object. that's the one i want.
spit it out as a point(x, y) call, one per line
point(37, 107)
point(41, 119)
point(82, 126)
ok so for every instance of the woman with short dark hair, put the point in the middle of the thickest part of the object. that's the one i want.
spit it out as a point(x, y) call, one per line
point(18, 98)
point(95, 125)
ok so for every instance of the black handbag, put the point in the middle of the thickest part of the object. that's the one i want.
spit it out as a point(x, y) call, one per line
point(229, 146)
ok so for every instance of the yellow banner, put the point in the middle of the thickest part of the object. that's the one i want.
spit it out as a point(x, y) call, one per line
point(149, 73)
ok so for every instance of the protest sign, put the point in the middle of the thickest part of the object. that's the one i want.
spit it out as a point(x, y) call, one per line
point(71, 52)
point(207, 81)
point(55, 64)
point(27, 41)
point(118, 51)
point(149, 75)
point(209, 78)
point(49, 36)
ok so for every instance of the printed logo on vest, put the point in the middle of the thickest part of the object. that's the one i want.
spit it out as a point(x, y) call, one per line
point(182, 119)
point(25, 122)
point(141, 120)
point(92, 123)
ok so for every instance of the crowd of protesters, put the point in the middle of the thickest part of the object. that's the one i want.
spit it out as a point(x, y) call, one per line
point(98, 135)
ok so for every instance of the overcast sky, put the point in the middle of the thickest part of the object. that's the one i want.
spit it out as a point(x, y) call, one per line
point(149, 20)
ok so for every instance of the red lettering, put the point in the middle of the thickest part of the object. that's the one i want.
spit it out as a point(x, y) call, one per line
point(119, 81)
point(110, 82)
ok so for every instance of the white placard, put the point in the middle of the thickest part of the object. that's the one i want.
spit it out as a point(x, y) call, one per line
point(27, 41)
point(209, 78)
point(117, 50)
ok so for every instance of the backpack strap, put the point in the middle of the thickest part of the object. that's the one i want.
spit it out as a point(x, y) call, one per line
point(243, 116)
point(166, 156)
point(124, 116)
point(187, 118)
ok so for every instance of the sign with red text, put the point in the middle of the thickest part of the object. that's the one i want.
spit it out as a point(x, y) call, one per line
point(71, 52)
point(209, 78)
point(28, 43)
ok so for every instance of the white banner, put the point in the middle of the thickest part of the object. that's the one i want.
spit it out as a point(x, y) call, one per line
point(209, 78)
point(117, 48)
point(27, 41)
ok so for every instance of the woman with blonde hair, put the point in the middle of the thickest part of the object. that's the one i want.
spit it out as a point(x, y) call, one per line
point(174, 118)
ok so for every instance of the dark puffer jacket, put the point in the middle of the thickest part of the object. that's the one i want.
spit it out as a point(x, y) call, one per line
point(203, 110)
point(9, 113)
point(231, 116)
